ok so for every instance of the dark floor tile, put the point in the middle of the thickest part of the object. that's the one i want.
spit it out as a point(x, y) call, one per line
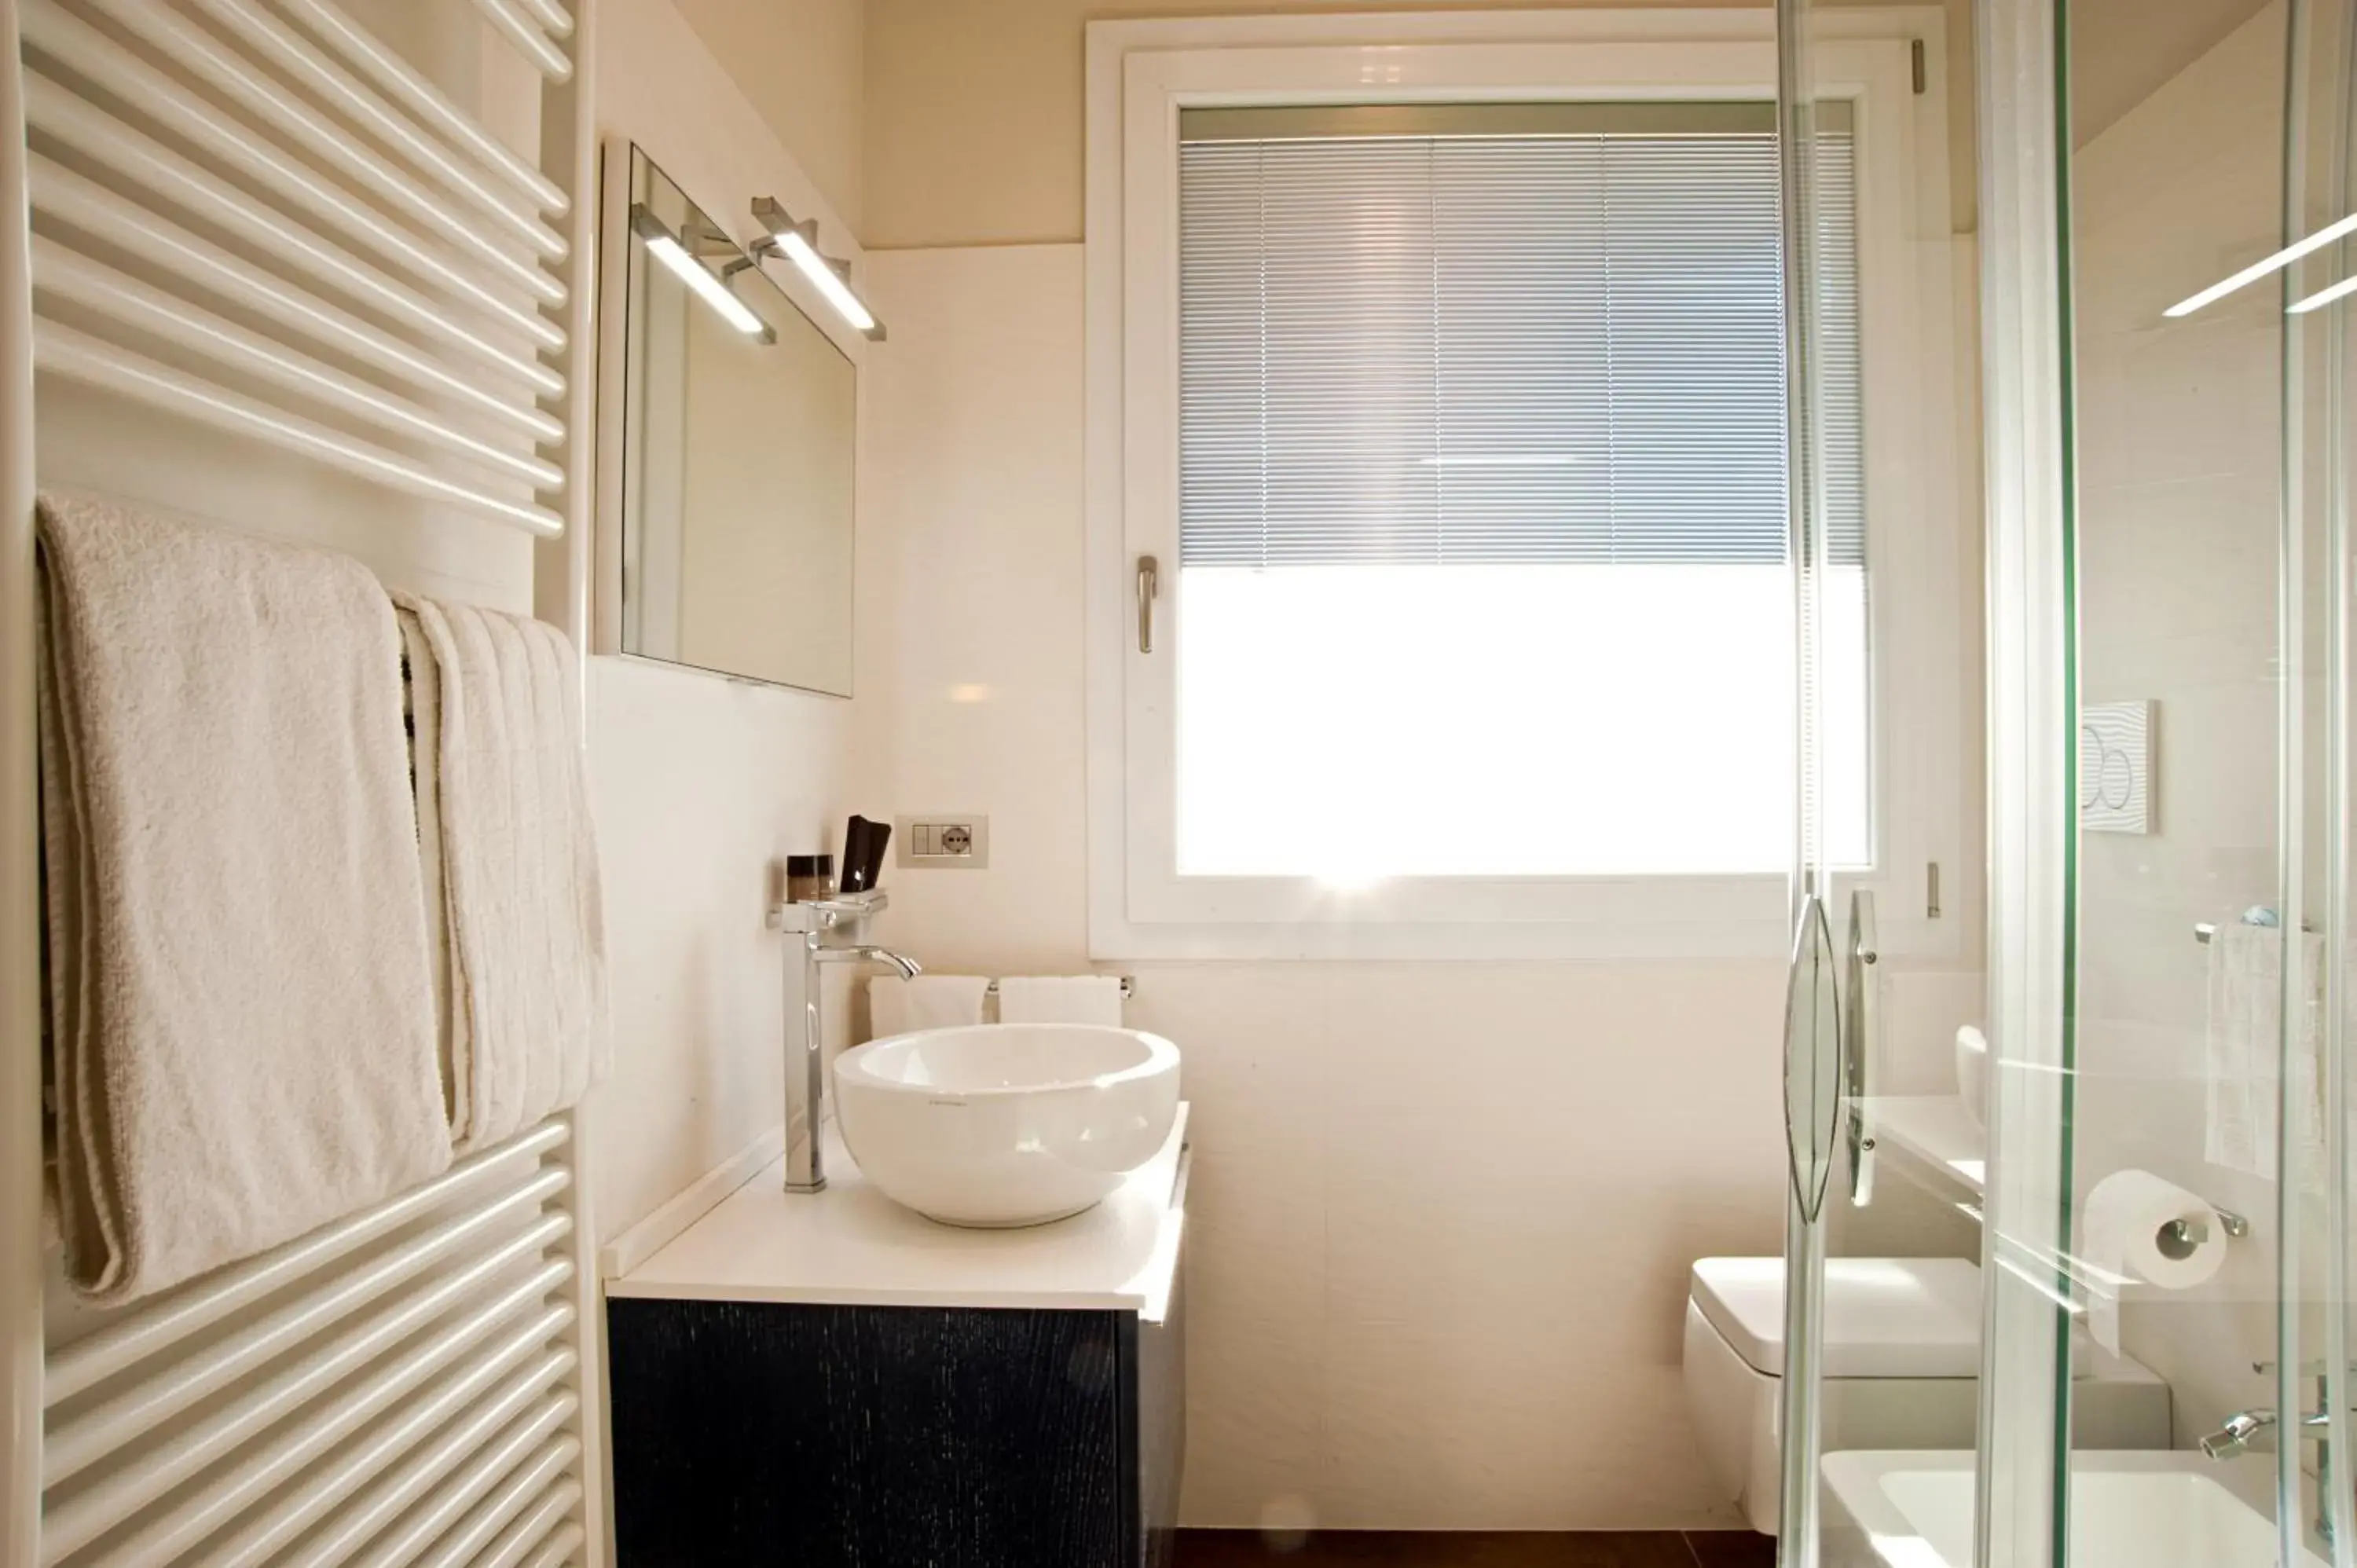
point(1732, 1548)
point(1418, 1549)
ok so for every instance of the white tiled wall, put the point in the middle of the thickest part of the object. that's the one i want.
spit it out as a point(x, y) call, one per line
point(2177, 519)
point(1442, 1213)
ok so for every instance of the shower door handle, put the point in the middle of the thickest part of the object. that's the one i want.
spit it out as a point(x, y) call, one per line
point(1861, 1034)
point(1813, 1064)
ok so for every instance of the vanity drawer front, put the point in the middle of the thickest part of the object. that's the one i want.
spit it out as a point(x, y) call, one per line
point(867, 1436)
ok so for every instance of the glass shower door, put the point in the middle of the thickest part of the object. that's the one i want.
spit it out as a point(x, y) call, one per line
point(2171, 572)
point(1812, 999)
point(1833, 998)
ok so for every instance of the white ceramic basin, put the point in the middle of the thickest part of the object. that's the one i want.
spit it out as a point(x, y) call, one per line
point(2160, 1509)
point(1006, 1124)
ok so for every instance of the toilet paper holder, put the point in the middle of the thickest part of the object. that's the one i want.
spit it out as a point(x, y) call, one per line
point(2179, 1237)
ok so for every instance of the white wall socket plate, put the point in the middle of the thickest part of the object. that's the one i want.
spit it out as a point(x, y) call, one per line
point(944, 841)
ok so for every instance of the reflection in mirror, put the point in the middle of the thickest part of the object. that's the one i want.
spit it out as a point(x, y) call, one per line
point(738, 470)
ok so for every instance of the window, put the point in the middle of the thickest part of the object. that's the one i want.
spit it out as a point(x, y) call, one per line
point(1483, 510)
point(1454, 422)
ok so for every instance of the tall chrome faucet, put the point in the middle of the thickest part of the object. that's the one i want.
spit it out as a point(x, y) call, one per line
point(813, 923)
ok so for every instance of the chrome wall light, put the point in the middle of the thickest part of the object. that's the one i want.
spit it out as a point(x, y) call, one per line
point(684, 260)
point(797, 242)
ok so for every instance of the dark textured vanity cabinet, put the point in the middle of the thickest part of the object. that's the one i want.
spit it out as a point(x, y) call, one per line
point(901, 1432)
point(893, 1436)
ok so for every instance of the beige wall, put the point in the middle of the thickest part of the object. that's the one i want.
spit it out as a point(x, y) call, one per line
point(703, 785)
point(2178, 436)
point(799, 63)
point(2123, 51)
point(974, 109)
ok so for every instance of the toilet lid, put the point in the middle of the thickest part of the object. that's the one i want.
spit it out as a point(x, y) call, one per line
point(1885, 1318)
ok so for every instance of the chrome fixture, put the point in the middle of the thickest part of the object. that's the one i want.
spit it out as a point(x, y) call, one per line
point(2255, 1432)
point(900, 964)
point(1128, 987)
point(797, 240)
point(814, 922)
point(2257, 915)
point(2245, 1431)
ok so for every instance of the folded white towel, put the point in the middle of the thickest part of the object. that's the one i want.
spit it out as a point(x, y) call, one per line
point(1059, 999)
point(241, 1015)
point(897, 1006)
point(522, 917)
point(2244, 1044)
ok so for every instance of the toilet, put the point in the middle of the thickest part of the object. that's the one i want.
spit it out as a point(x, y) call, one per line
point(1901, 1364)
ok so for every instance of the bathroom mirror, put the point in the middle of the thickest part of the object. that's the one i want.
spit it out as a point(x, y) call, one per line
point(739, 429)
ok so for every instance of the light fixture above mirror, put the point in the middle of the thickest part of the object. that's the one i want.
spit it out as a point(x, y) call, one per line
point(797, 242)
point(688, 266)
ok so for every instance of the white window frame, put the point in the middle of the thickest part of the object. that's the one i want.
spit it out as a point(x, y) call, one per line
point(1140, 75)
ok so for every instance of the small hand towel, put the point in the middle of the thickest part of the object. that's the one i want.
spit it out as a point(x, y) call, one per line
point(241, 1017)
point(897, 1006)
point(1059, 999)
point(521, 912)
point(2245, 1046)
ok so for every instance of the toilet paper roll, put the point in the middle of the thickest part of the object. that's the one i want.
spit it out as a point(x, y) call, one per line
point(2137, 1226)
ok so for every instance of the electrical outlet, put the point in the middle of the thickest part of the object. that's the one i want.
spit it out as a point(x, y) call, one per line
point(944, 841)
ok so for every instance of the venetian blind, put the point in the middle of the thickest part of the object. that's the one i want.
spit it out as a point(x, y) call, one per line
point(1500, 334)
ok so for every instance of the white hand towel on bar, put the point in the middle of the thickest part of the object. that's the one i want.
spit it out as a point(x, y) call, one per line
point(2244, 1044)
point(1059, 999)
point(241, 1015)
point(897, 1006)
point(522, 926)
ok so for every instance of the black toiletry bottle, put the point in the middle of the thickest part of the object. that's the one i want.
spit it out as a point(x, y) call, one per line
point(855, 853)
point(863, 853)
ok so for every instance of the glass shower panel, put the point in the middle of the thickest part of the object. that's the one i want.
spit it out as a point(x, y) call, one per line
point(2179, 737)
point(1876, 246)
point(2204, 1162)
point(2314, 1342)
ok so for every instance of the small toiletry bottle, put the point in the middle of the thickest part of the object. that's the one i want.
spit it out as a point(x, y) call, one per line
point(809, 877)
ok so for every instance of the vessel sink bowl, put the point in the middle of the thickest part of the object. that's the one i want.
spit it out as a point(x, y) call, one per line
point(1004, 1124)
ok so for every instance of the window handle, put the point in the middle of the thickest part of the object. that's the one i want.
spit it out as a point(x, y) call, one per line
point(1149, 587)
point(1861, 1032)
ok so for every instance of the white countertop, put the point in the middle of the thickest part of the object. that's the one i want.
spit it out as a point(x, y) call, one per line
point(852, 1246)
point(1937, 1133)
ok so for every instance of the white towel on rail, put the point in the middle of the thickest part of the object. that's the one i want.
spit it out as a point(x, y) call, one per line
point(241, 1015)
point(898, 1006)
point(2246, 1045)
point(522, 919)
point(1059, 999)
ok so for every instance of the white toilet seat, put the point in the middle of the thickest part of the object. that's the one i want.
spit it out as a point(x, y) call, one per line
point(1902, 1364)
point(1885, 1318)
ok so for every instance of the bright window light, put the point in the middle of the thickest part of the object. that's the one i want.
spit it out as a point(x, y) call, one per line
point(825, 279)
point(699, 277)
point(1506, 721)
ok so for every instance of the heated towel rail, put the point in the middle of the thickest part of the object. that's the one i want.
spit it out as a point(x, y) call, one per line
point(260, 216)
